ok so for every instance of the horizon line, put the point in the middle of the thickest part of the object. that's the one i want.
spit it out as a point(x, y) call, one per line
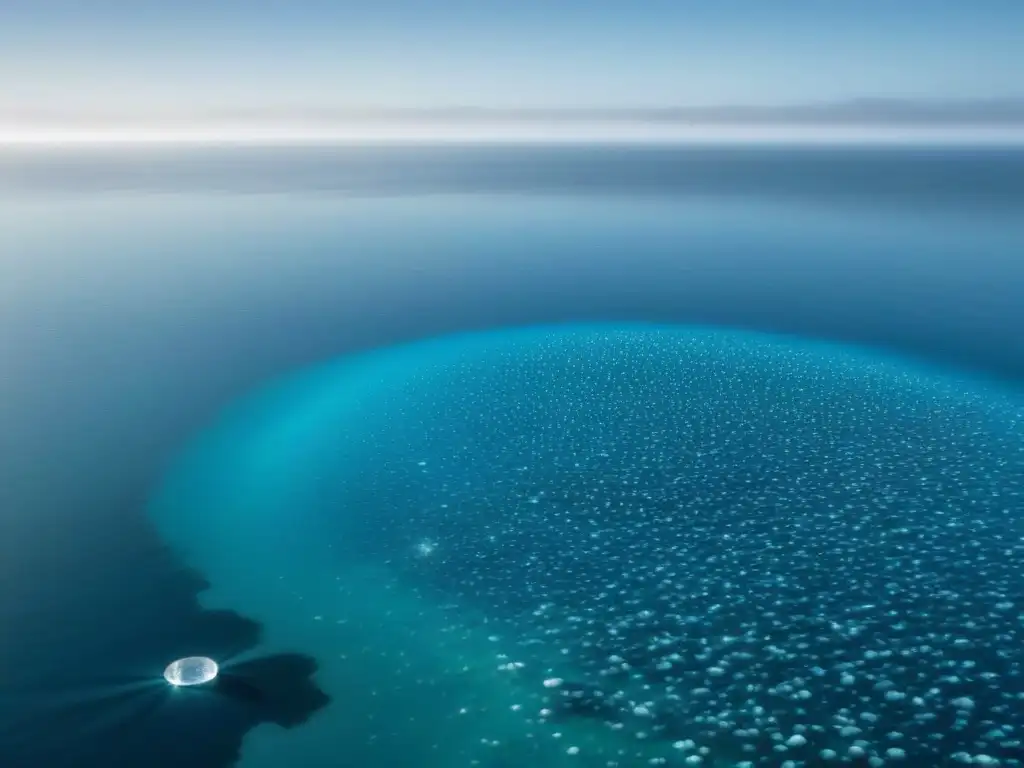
point(593, 132)
point(860, 108)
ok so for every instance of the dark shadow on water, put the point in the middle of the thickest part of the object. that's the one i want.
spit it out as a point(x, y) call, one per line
point(278, 688)
point(147, 722)
point(82, 675)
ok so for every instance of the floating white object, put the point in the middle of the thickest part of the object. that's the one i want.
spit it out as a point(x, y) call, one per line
point(192, 670)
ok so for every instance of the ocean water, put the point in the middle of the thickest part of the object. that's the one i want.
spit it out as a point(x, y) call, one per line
point(368, 426)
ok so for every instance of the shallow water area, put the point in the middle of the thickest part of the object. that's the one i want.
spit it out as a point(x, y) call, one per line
point(409, 676)
point(747, 548)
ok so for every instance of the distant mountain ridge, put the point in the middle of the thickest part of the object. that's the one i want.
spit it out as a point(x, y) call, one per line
point(855, 112)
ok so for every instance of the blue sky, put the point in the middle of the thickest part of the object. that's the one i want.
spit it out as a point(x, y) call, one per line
point(197, 55)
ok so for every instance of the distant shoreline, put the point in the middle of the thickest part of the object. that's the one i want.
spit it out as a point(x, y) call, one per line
point(491, 132)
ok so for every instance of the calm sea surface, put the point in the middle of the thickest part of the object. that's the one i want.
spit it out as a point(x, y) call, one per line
point(219, 436)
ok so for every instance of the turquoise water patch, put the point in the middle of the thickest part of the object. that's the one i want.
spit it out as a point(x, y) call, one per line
point(621, 544)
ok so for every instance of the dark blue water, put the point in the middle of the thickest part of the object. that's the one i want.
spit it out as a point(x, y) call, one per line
point(141, 292)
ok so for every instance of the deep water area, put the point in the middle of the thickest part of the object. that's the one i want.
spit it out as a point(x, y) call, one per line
point(676, 453)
